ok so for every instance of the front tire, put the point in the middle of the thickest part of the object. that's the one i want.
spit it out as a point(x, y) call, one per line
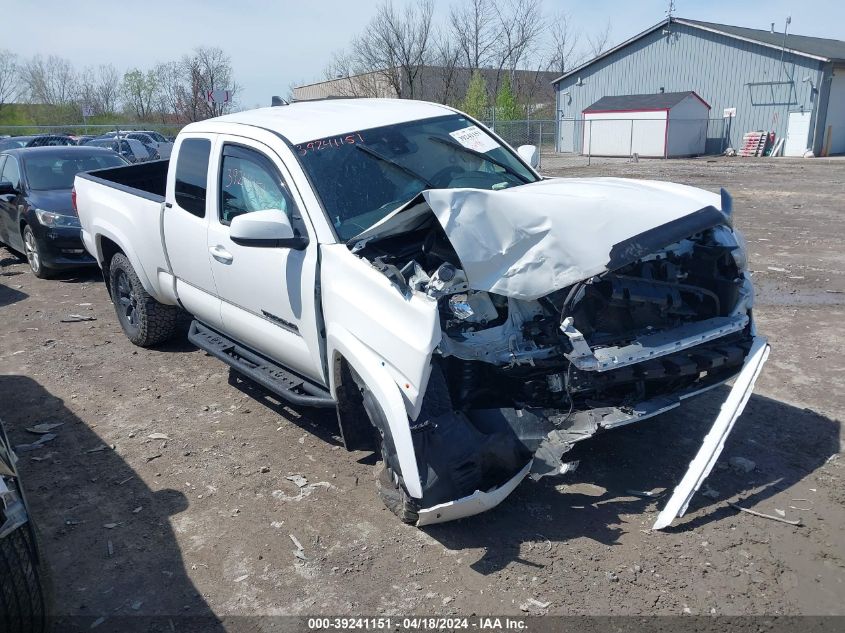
point(33, 255)
point(145, 321)
point(24, 590)
point(393, 494)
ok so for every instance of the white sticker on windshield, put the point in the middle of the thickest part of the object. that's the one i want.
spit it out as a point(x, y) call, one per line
point(473, 138)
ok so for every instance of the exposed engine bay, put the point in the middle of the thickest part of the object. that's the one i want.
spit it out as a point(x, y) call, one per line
point(520, 380)
point(501, 351)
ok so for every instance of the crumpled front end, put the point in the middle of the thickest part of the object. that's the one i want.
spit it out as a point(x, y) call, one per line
point(519, 376)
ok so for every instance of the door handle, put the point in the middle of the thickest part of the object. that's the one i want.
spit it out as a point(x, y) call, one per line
point(221, 254)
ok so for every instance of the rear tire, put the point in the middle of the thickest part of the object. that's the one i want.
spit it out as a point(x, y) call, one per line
point(145, 321)
point(24, 595)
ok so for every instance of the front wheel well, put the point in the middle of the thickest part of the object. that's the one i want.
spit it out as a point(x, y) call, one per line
point(356, 427)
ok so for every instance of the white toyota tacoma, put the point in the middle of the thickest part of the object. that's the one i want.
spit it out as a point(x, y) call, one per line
point(396, 260)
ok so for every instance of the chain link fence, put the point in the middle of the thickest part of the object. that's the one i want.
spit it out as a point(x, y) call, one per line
point(168, 130)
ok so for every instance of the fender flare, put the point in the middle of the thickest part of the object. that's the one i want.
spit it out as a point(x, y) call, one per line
point(371, 369)
point(111, 233)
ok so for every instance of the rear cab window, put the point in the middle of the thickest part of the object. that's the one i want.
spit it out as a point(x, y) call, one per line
point(192, 175)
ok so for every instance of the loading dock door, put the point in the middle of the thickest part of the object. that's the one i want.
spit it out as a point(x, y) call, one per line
point(797, 134)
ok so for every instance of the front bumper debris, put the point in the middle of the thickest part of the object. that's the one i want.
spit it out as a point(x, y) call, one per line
point(476, 503)
point(713, 444)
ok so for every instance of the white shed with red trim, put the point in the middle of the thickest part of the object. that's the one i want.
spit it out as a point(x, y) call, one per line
point(664, 125)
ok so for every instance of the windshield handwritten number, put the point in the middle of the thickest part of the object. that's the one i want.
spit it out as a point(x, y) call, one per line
point(325, 143)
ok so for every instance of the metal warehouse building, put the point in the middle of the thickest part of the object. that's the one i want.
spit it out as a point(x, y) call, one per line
point(753, 80)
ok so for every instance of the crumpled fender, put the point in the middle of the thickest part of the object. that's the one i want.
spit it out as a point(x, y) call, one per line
point(379, 381)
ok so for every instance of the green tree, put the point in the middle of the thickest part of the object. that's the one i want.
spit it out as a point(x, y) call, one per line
point(507, 107)
point(139, 90)
point(475, 101)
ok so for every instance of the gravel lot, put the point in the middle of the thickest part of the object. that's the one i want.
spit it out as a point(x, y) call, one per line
point(199, 523)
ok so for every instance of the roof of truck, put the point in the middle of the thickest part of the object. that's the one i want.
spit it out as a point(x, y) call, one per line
point(304, 121)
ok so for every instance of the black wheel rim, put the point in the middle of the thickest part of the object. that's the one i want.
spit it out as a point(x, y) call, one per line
point(127, 301)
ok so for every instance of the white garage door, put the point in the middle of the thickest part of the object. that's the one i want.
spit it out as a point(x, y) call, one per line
point(797, 134)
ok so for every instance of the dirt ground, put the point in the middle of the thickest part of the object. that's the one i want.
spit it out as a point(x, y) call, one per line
point(203, 522)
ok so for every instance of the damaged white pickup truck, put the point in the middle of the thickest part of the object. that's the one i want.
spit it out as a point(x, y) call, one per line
point(468, 319)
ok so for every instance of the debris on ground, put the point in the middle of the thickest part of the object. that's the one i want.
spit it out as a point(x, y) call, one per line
point(299, 480)
point(76, 318)
point(710, 493)
point(158, 436)
point(97, 449)
point(34, 446)
point(299, 552)
point(532, 602)
point(742, 464)
point(305, 489)
point(647, 494)
point(765, 516)
point(44, 427)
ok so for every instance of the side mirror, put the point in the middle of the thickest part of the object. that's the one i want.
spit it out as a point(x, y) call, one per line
point(270, 227)
point(529, 154)
point(6, 188)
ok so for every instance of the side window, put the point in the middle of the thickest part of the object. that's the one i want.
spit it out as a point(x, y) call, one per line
point(192, 175)
point(249, 182)
point(11, 173)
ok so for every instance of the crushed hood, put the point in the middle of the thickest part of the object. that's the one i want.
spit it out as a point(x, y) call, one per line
point(531, 240)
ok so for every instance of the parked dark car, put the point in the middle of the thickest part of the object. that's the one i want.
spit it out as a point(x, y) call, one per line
point(38, 140)
point(132, 150)
point(36, 211)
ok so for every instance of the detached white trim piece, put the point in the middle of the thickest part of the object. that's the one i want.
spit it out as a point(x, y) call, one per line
point(714, 442)
point(476, 503)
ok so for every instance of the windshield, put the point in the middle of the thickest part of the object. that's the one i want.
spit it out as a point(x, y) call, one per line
point(156, 137)
point(45, 173)
point(362, 176)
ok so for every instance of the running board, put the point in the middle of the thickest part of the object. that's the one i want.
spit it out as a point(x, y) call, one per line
point(266, 373)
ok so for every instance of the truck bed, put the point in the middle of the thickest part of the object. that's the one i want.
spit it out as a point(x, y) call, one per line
point(147, 180)
point(122, 208)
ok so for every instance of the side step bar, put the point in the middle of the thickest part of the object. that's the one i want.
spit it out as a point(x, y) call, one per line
point(266, 373)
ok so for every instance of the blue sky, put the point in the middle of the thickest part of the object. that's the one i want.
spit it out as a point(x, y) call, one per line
point(275, 42)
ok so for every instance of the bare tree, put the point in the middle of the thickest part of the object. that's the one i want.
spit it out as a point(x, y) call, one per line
point(107, 88)
point(170, 91)
point(210, 69)
point(397, 45)
point(562, 54)
point(599, 42)
point(9, 81)
point(50, 81)
point(352, 78)
point(520, 27)
point(447, 56)
point(473, 28)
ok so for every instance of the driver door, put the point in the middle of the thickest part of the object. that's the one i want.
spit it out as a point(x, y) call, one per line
point(267, 293)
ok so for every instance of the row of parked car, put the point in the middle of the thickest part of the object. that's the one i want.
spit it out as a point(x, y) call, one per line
point(136, 146)
point(37, 218)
